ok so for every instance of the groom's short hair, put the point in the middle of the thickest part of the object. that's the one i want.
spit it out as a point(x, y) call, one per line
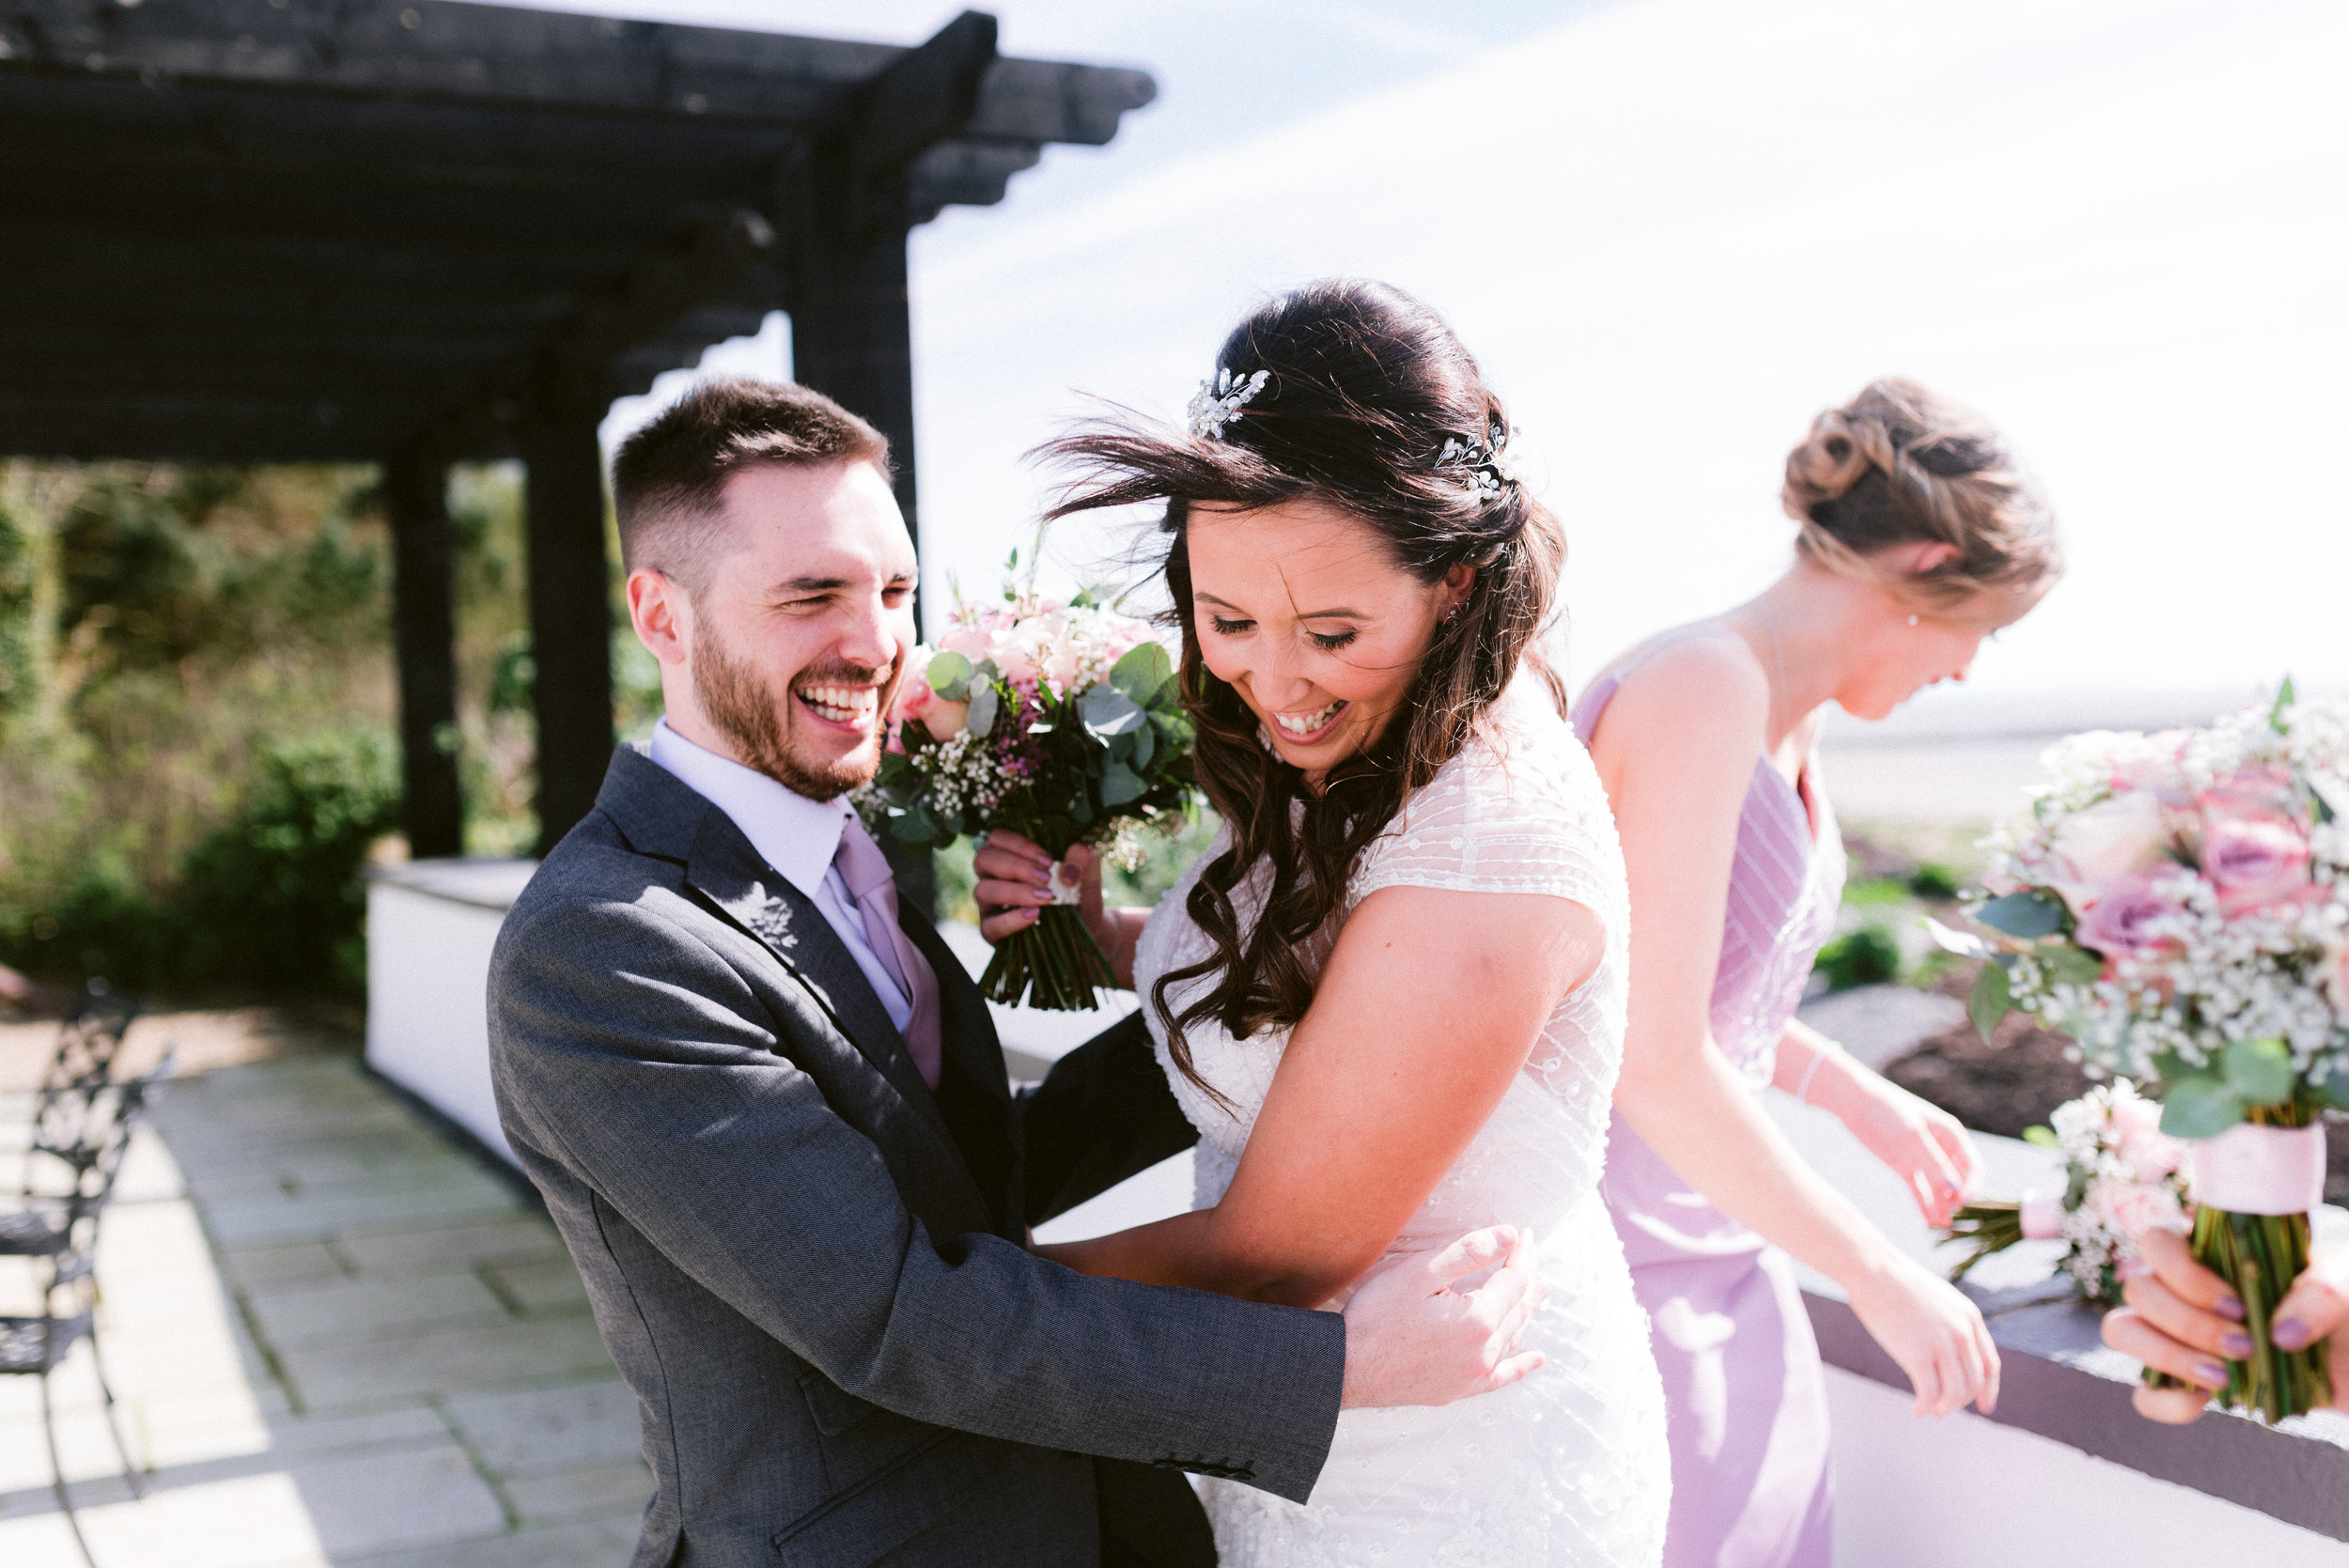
point(669, 479)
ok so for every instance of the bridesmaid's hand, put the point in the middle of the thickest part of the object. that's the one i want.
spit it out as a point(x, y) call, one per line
point(1937, 1335)
point(1015, 884)
point(1923, 1145)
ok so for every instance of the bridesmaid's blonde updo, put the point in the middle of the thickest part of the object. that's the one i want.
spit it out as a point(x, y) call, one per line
point(1900, 464)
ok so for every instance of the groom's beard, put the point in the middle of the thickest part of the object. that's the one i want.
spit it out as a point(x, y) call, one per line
point(757, 717)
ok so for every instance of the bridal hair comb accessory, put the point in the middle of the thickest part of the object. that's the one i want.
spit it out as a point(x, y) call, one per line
point(1488, 472)
point(1218, 402)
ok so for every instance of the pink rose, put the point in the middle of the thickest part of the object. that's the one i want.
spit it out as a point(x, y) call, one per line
point(2134, 1208)
point(2111, 840)
point(945, 720)
point(966, 639)
point(2118, 922)
point(2151, 762)
point(2256, 860)
point(914, 695)
point(2149, 1152)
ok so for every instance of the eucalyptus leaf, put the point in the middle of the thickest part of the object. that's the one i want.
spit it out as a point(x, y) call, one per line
point(1991, 999)
point(1146, 746)
point(2334, 1089)
point(950, 675)
point(1119, 786)
point(916, 826)
point(2258, 1072)
point(980, 721)
point(1107, 711)
point(2198, 1108)
point(2072, 966)
point(2028, 915)
point(1142, 671)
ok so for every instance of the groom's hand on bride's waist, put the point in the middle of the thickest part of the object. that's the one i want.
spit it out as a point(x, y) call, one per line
point(1427, 1330)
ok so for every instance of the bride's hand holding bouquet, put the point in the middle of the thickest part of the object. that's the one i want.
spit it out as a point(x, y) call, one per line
point(1055, 729)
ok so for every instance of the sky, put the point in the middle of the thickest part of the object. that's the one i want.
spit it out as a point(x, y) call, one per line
point(1672, 230)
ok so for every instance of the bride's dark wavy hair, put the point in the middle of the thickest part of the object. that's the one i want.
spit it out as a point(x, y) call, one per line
point(1365, 386)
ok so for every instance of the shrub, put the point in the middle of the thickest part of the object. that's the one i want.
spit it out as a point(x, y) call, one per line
point(1867, 956)
point(273, 897)
point(1933, 880)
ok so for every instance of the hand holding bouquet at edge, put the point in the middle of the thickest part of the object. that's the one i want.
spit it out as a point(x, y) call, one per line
point(2180, 905)
point(2182, 1321)
point(1058, 722)
point(2124, 1177)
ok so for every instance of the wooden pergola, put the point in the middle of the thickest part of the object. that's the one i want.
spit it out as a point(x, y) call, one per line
point(416, 232)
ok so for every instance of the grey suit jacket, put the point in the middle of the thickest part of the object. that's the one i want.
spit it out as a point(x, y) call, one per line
point(809, 1267)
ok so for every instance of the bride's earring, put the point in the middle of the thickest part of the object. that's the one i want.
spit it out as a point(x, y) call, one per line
point(1454, 613)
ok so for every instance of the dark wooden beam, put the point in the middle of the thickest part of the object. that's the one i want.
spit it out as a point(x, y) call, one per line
point(208, 428)
point(570, 616)
point(568, 370)
point(474, 54)
point(424, 633)
point(923, 98)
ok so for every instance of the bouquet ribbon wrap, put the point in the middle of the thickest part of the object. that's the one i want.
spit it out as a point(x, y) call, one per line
point(2251, 1169)
point(1064, 892)
point(2042, 1214)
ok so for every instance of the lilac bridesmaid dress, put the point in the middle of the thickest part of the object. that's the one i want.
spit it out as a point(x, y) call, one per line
point(1746, 1403)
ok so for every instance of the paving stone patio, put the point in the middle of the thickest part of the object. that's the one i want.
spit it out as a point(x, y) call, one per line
point(339, 1340)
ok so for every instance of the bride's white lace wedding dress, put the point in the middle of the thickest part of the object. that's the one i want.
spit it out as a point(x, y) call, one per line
point(1567, 1466)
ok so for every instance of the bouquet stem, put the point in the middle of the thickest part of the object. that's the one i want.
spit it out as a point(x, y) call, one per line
point(1054, 964)
point(1992, 1225)
point(2259, 1255)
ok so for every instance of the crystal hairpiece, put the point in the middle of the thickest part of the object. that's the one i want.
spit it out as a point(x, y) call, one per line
point(1217, 403)
point(1488, 471)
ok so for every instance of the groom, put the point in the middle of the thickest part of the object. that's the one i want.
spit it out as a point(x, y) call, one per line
point(769, 1110)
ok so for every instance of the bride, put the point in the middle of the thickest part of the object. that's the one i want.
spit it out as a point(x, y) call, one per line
point(1391, 997)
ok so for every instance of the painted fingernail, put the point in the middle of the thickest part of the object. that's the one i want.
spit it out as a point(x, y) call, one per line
point(2231, 1305)
point(2237, 1345)
point(2290, 1333)
point(2210, 1374)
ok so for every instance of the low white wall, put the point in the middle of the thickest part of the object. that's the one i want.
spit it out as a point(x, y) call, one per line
point(430, 926)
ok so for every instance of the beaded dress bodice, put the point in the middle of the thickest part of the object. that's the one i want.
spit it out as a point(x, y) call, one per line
point(1567, 1466)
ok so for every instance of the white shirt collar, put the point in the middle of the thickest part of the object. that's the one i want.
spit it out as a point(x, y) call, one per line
point(796, 835)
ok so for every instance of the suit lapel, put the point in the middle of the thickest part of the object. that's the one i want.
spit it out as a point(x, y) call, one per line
point(661, 815)
point(726, 870)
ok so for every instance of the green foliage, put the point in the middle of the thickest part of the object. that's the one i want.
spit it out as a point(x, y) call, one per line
point(1934, 880)
point(1867, 956)
point(271, 897)
point(1874, 892)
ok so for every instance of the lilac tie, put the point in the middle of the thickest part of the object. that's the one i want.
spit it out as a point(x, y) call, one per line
point(865, 870)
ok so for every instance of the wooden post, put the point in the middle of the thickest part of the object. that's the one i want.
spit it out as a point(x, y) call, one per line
point(570, 616)
point(424, 634)
point(852, 340)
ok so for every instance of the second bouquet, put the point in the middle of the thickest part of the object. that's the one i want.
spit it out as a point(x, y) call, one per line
point(1059, 721)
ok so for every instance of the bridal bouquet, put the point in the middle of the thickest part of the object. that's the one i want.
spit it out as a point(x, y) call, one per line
point(2180, 905)
point(2123, 1176)
point(1061, 722)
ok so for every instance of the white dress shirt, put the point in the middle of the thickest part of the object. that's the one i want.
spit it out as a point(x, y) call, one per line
point(796, 835)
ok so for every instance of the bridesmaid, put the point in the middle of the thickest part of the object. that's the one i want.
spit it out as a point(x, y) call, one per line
point(1920, 535)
